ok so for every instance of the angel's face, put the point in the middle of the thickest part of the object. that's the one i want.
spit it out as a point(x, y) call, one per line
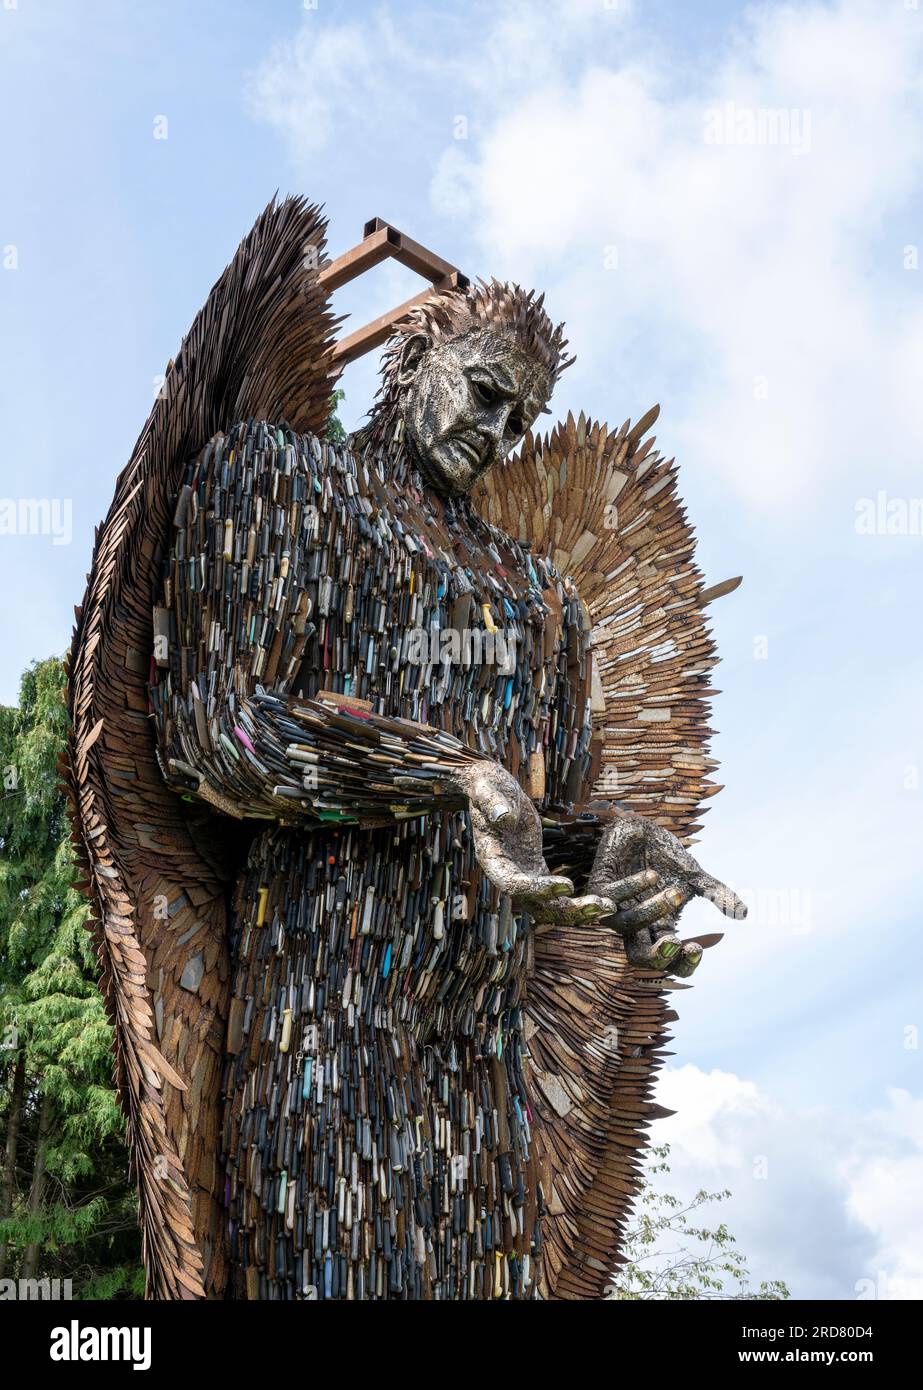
point(466, 403)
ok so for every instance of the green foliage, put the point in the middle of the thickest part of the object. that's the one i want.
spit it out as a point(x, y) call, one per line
point(335, 431)
point(124, 1281)
point(70, 1195)
point(670, 1255)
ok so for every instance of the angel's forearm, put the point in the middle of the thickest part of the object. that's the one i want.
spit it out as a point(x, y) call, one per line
point(288, 759)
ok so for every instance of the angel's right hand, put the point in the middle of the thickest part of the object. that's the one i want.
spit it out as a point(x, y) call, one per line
point(508, 837)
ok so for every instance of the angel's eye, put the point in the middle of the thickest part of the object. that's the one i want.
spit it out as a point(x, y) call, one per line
point(515, 425)
point(483, 393)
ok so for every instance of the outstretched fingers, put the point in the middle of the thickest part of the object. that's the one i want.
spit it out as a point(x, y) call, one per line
point(724, 899)
point(572, 912)
point(537, 890)
point(646, 919)
point(647, 951)
point(688, 961)
point(633, 886)
point(658, 905)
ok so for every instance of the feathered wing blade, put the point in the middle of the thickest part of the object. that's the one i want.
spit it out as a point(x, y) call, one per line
point(155, 873)
point(603, 505)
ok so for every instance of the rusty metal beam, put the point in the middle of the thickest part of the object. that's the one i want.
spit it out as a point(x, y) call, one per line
point(382, 242)
point(370, 251)
point(410, 253)
point(379, 330)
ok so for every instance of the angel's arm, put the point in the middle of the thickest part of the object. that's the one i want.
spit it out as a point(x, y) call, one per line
point(628, 871)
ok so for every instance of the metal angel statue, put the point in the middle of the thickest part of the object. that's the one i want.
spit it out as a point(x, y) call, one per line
point(383, 759)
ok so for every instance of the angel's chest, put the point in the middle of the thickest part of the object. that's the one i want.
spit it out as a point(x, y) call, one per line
point(431, 616)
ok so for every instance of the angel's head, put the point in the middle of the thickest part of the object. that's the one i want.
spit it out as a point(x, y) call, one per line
point(467, 374)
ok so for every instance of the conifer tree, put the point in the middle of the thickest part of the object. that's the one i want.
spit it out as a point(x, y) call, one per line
point(66, 1206)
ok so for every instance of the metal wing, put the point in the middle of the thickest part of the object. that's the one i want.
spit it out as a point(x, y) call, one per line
point(156, 873)
point(604, 507)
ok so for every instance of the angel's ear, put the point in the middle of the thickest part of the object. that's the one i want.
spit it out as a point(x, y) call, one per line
point(414, 349)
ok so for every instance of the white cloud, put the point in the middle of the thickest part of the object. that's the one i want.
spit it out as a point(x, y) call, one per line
point(384, 82)
point(829, 1203)
point(761, 266)
point(322, 83)
point(885, 1191)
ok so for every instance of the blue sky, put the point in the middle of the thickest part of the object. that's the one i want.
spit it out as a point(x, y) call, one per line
point(763, 289)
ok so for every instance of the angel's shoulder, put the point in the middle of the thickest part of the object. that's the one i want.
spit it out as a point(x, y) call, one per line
point(261, 456)
point(532, 561)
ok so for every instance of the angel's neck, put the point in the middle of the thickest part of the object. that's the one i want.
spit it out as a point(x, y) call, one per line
point(381, 445)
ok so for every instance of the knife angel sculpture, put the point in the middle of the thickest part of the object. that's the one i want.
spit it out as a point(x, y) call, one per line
point(384, 758)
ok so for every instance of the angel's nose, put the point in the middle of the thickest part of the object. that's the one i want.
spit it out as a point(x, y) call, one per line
point(495, 426)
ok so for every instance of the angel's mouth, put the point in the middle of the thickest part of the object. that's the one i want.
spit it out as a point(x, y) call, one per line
point(476, 456)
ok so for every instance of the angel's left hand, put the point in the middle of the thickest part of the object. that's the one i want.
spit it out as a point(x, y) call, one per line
point(648, 873)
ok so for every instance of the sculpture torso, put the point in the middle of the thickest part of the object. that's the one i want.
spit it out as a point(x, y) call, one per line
point(377, 1128)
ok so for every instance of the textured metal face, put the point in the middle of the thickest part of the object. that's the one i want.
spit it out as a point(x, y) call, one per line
point(466, 403)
